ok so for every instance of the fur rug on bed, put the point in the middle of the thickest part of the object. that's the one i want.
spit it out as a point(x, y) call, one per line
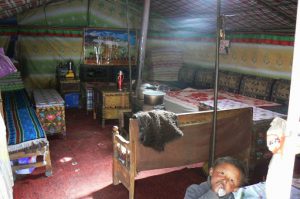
point(157, 127)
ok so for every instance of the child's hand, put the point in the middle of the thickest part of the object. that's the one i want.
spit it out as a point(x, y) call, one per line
point(275, 143)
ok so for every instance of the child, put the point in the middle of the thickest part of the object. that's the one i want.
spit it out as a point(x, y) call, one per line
point(226, 176)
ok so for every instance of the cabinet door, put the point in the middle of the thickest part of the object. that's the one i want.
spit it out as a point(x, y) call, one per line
point(116, 100)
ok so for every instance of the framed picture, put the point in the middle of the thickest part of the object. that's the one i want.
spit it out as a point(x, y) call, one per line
point(224, 47)
point(108, 47)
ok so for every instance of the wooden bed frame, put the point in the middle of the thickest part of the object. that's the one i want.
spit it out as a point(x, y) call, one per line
point(45, 162)
point(43, 151)
point(233, 138)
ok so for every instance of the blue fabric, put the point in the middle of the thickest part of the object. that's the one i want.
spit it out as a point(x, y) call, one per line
point(20, 118)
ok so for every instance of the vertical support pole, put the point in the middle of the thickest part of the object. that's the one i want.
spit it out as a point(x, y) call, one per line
point(214, 123)
point(142, 44)
point(129, 49)
point(279, 184)
point(88, 13)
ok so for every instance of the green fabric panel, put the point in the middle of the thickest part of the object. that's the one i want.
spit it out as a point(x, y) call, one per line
point(74, 13)
point(67, 13)
point(192, 34)
point(34, 16)
point(4, 41)
point(260, 36)
point(112, 15)
point(60, 14)
point(180, 34)
point(10, 30)
point(41, 56)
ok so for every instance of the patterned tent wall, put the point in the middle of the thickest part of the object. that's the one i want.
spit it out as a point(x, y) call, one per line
point(4, 41)
point(39, 57)
point(259, 54)
point(42, 49)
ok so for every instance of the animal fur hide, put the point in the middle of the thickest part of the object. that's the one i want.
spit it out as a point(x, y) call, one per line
point(157, 127)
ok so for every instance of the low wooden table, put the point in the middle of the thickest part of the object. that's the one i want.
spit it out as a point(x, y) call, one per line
point(109, 102)
point(50, 110)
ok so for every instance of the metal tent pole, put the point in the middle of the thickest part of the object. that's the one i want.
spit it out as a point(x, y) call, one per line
point(129, 50)
point(214, 123)
point(142, 43)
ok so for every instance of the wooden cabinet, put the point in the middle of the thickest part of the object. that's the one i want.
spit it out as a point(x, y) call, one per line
point(50, 110)
point(109, 102)
point(69, 86)
point(100, 73)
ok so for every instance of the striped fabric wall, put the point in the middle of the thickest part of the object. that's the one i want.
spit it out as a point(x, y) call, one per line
point(39, 56)
point(259, 54)
point(42, 49)
point(4, 41)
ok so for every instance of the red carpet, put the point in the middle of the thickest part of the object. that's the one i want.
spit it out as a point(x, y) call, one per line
point(82, 168)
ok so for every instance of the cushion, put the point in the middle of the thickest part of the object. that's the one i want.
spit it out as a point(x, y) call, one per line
point(257, 87)
point(186, 75)
point(229, 81)
point(204, 78)
point(281, 91)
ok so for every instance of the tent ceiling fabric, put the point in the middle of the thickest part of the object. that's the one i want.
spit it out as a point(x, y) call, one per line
point(240, 15)
point(10, 8)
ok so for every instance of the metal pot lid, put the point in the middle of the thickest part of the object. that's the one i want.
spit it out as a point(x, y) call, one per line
point(153, 93)
point(146, 85)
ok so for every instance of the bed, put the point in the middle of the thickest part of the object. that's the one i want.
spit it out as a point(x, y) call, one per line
point(25, 135)
point(131, 157)
point(191, 99)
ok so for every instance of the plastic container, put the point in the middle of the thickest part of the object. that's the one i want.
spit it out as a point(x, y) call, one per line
point(26, 161)
point(72, 100)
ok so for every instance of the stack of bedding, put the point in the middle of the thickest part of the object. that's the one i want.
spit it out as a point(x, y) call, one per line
point(164, 64)
point(11, 82)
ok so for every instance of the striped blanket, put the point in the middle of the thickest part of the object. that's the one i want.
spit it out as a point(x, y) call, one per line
point(24, 130)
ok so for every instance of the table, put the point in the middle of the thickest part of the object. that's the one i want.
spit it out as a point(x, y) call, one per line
point(50, 110)
point(108, 102)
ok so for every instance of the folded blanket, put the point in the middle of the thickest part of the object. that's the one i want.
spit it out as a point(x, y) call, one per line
point(157, 127)
point(24, 130)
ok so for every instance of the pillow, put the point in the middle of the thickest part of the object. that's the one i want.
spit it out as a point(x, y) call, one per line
point(281, 91)
point(204, 78)
point(257, 87)
point(229, 81)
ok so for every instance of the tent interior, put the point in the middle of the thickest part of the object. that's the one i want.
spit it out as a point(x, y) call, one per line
point(188, 26)
point(173, 46)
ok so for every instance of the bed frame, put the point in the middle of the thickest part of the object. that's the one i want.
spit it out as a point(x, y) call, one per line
point(34, 150)
point(233, 138)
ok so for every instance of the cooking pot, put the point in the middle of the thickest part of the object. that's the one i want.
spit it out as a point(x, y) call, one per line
point(144, 87)
point(153, 98)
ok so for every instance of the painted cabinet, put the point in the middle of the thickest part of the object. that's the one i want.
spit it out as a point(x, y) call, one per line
point(50, 110)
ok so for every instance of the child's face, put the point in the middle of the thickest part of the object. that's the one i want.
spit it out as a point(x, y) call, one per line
point(225, 176)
